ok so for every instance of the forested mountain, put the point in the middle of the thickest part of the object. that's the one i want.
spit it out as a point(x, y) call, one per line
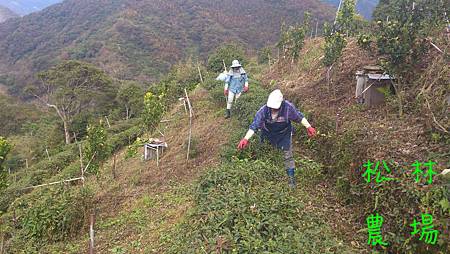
point(133, 39)
point(24, 7)
point(364, 7)
point(6, 13)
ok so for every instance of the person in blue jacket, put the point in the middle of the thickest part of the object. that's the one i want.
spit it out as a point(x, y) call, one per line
point(275, 122)
point(235, 83)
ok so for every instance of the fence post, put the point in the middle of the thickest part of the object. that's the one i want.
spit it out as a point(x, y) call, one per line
point(91, 233)
point(2, 244)
point(200, 73)
point(114, 167)
point(48, 155)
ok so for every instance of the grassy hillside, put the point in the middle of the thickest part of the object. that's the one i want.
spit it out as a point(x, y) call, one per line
point(352, 134)
point(140, 39)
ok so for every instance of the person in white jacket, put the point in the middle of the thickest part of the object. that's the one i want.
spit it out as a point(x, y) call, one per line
point(236, 82)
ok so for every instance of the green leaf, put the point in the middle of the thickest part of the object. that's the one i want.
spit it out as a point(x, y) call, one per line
point(444, 204)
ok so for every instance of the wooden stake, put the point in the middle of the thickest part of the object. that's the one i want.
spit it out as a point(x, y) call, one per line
point(48, 155)
point(91, 233)
point(114, 167)
point(200, 74)
point(81, 163)
point(2, 245)
point(224, 65)
point(317, 26)
point(190, 125)
point(107, 121)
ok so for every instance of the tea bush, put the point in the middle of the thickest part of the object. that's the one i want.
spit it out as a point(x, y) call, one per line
point(56, 215)
point(244, 206)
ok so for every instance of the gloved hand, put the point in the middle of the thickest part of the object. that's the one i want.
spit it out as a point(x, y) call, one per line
point(311, 132)
point(245, 89)
point(243, 144)
point(225, 92)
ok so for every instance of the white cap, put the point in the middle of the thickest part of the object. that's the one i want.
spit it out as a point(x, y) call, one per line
point(275, 99)
point(235, 64)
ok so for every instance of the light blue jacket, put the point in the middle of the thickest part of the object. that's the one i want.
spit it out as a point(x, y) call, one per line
point(236, 85)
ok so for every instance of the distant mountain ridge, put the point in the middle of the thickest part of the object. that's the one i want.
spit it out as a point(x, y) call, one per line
point(6, 13)
point(24, 7)
point(364, 7)
point(140, 39)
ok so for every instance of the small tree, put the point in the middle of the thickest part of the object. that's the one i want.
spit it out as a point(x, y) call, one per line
point(334, 44)
point(284, 38)
point(345, 21)
point(5, 147)
point(264, 54)
point(97, 149)
point(74, 87)
point(226, 53)
point(335, 36)
point(130, 98)
point(153, 110)
point(297, 40)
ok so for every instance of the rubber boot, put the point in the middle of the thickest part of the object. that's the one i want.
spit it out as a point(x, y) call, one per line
point(227, 114)
point(291, 178)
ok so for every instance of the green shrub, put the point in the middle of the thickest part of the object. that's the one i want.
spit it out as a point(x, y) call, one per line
point(242, 207)
point(50, 215)
point(5, 147)
point(334, 44)
point(153, 110)
point(364, 41)
point(227, 53)
point(97, 148)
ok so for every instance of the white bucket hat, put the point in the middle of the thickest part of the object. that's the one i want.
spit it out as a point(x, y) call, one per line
point(275, 99)
point(235, 64)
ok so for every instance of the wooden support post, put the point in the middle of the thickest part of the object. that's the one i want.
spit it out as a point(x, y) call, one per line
point(2, 244)
point(114, 167)
point(200, 74)
point(107, 121)
point(157, 157)
point(317, 26)
point(190, 125)
point(81, 163)
point(48, 155)
point(91, 233)
point(224, 65)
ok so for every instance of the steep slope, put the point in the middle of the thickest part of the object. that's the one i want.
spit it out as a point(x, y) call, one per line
point(146, 208)
point(351, 134)
point(364, 7)
point(24, 7)
point(6, 13)
point(140, 39)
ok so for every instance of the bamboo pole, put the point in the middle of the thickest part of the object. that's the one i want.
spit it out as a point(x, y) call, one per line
point(53, 183)
point(2, 244)
point(48, 155)
point(317, 27)
point(190, 124)
point(81, 162)
point(107, 121)
point(114, 167)
point(200, 74)
point(92, 233)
